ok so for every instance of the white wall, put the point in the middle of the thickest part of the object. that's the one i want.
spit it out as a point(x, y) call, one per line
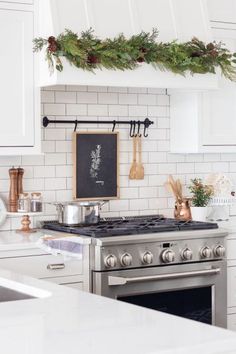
point(51, 173)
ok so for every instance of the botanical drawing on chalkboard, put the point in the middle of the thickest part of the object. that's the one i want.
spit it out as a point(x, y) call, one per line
point(95, 165)
point(95, 161)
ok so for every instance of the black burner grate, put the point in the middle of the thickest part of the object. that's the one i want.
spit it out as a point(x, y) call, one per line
point(130, 226)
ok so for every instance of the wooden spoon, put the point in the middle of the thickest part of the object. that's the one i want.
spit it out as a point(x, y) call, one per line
point(133, 169)
point(140, 168)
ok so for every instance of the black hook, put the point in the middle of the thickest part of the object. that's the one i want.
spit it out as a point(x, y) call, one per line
point(146, 125)
point(76, 123)
point(138, 132)
point(114, 125)
point(132, 128)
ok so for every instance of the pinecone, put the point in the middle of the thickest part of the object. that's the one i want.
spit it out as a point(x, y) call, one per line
point(195, 54)
point(52, 44)
point(92, 59)
point(143, 50)
point(52, 47)
point(210, 46)
point(140, 59)
point(51, 40)
point(213, 53)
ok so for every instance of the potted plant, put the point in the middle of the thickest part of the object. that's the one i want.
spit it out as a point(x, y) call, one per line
point(201, 195)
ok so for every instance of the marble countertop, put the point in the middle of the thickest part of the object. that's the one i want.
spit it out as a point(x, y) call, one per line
point(11, 240)
point(67, 321)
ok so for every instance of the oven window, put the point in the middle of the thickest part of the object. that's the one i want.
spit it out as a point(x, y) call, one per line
point(195, 304)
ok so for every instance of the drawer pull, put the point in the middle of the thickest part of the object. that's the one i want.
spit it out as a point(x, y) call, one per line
point(56, 266)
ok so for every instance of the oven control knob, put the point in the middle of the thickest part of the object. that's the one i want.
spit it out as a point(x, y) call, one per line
point(110, 261)
point(187, 254)
point(219, 251)
point(206, 252)
point(126, 260)
point(147, 258)
point(168, 256)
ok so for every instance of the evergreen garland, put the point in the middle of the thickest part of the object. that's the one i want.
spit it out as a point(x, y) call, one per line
point(88, 52)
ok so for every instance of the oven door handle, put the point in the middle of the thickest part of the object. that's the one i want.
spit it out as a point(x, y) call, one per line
point(114, 281)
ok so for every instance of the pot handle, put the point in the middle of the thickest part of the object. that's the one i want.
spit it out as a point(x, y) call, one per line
point(59, 206)
point(102, 203)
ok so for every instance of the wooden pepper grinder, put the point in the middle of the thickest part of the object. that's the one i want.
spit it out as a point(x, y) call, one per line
point(13, 199)
point(20, 181)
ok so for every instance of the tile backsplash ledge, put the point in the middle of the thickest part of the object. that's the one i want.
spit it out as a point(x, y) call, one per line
point(51, 172)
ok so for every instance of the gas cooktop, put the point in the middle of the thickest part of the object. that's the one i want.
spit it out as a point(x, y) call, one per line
point(130, 226)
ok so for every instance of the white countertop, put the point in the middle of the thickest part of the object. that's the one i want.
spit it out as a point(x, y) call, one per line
point(72, 322)
point(11, 240)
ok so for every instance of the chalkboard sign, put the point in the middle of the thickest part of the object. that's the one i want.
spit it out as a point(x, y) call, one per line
point(95, 166)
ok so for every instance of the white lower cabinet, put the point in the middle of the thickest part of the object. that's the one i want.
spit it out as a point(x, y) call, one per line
point(37, 264)
point(231, 282)
point(231, 322)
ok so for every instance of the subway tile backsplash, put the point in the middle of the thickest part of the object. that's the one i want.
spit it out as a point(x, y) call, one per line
point(51, 173)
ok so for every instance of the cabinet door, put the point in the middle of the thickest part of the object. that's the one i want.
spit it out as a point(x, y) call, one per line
point(219, 112)
point(17, 78)
point(219, 108)
point(231, 286)
point(231, 322)
point(222, 11)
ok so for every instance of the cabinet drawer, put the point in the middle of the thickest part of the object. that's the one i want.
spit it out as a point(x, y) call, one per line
point(231, 286)
point(44, 266)
point(231, 322)
point(18, 1)
point(77, 286)
point(231, 249)
point(74, 281)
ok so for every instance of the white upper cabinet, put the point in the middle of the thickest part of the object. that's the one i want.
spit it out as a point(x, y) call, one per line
point(16, 72)
point(219, 118)
point(111, 17)
point(222, 10)
point(20, 120)
point(206, 122)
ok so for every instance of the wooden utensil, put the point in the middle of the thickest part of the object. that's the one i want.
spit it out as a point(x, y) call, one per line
point(140, 168)
point(133, 169)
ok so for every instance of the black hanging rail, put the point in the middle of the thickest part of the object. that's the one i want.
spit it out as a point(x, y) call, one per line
point(135, 125)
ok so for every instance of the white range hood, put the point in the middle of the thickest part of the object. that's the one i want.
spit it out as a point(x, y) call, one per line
point(175, 19)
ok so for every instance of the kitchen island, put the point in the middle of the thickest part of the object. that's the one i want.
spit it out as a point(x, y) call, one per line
point(61, 320)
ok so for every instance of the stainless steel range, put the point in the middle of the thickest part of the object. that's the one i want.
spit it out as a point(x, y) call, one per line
point(159, 263)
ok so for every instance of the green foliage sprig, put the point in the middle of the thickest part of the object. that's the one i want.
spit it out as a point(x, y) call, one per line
point(202, 193)
point(88, 52)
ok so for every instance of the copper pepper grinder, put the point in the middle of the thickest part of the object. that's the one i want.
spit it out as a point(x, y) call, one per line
point(13, 199)
point(20, 181)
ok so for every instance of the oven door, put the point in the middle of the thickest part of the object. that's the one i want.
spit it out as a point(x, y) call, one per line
point(194, 291)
